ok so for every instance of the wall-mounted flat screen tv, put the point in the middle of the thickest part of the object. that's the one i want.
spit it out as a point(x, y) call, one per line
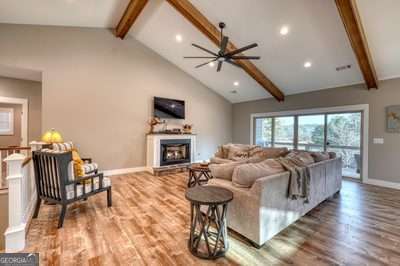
point(169, 108)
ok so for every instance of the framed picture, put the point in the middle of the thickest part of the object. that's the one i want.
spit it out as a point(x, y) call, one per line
point(393, 119)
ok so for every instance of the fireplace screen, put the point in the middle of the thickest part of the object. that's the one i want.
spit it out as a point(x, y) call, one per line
point(175, 151)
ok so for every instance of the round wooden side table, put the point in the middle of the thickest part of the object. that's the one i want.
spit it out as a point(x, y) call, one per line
point(208, 231)
point(198, 175)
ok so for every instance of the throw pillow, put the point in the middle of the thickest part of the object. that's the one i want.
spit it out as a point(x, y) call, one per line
point(65, 146)
point(219, 153)
point(245, 175)
point(332, 155)
point(268, 153)
point(320, 156)
point(238, 153)
point(303, 157)
point(78, 164)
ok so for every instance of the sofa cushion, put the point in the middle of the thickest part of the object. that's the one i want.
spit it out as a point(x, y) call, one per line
point(303, 157)
point(90, 167)
point(320, 156)
point(245, 175)
point(224, 171)
point(332, 155)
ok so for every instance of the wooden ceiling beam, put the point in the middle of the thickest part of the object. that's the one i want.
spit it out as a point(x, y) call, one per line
point(191, 13)
point(352, 23)
point(131, 13)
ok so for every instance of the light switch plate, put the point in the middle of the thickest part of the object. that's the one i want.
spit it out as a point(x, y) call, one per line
point(379, 141)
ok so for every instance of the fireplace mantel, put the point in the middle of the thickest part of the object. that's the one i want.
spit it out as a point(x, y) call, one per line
point(154, 147)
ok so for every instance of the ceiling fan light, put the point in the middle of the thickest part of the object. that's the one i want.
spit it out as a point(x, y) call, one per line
point(307, 64)
point(211, 64)
point(284, 30)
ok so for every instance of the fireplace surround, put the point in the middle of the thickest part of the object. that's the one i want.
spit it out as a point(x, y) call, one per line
point(174, 151)
point(170, 150)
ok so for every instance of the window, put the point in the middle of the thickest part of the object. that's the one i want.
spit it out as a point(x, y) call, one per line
point(6, 121)
point(284, 132)
point(311, 132)
point(263, 132)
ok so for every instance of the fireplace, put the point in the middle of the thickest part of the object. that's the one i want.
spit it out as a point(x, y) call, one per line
point(174, 151)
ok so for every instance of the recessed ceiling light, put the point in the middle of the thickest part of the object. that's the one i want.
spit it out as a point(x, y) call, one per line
point(178, 38)
point(307, 64)
point(211, 64)
point(236, 83)
point(284, 30)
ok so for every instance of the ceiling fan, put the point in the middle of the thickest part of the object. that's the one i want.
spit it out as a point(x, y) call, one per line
point(222, 55)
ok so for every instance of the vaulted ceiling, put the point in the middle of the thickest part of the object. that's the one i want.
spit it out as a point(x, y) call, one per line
point(316, 34)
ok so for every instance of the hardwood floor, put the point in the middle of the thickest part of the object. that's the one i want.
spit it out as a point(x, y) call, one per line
point(148, 225)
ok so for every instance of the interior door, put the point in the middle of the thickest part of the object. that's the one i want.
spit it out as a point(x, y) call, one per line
point(344, 131)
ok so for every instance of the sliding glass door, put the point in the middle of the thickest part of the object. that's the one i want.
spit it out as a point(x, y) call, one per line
point(344, 138)
point(337, 132)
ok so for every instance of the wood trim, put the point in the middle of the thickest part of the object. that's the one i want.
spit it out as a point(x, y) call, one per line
point(16, 148)
point(191, 13)
point(131, 13)
point(352, 23)
point(26, 161)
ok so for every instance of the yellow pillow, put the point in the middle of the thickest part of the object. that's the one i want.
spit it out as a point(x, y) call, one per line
point(78, 164)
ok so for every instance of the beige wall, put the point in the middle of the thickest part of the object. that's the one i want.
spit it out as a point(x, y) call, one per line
point(26, 89)
point(383, 159)
point(15, 138)
point(98, 90)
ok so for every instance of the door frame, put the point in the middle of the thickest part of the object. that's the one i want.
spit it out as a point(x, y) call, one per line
point(24, 116)
point(363, 108)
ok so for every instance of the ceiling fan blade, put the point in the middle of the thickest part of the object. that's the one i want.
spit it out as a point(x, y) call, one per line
point(245, 57)
point(233, 63)
point(206, 63)
point(242, 49)
point(219, 66)
point(224, 44)
point(203, 57)
point(204, 49)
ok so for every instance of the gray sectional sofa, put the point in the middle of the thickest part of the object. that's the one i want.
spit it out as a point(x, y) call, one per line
point(262, 210)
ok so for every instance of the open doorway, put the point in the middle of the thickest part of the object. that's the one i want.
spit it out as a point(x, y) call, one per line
point(10, 125)
point(13, 130)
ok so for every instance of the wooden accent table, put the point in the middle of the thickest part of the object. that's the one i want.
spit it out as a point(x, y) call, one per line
point(199, 174)
point(208, 232)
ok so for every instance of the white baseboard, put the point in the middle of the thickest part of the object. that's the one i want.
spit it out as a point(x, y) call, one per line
point(15, 238)
point(125, 171)
point(382, 183)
